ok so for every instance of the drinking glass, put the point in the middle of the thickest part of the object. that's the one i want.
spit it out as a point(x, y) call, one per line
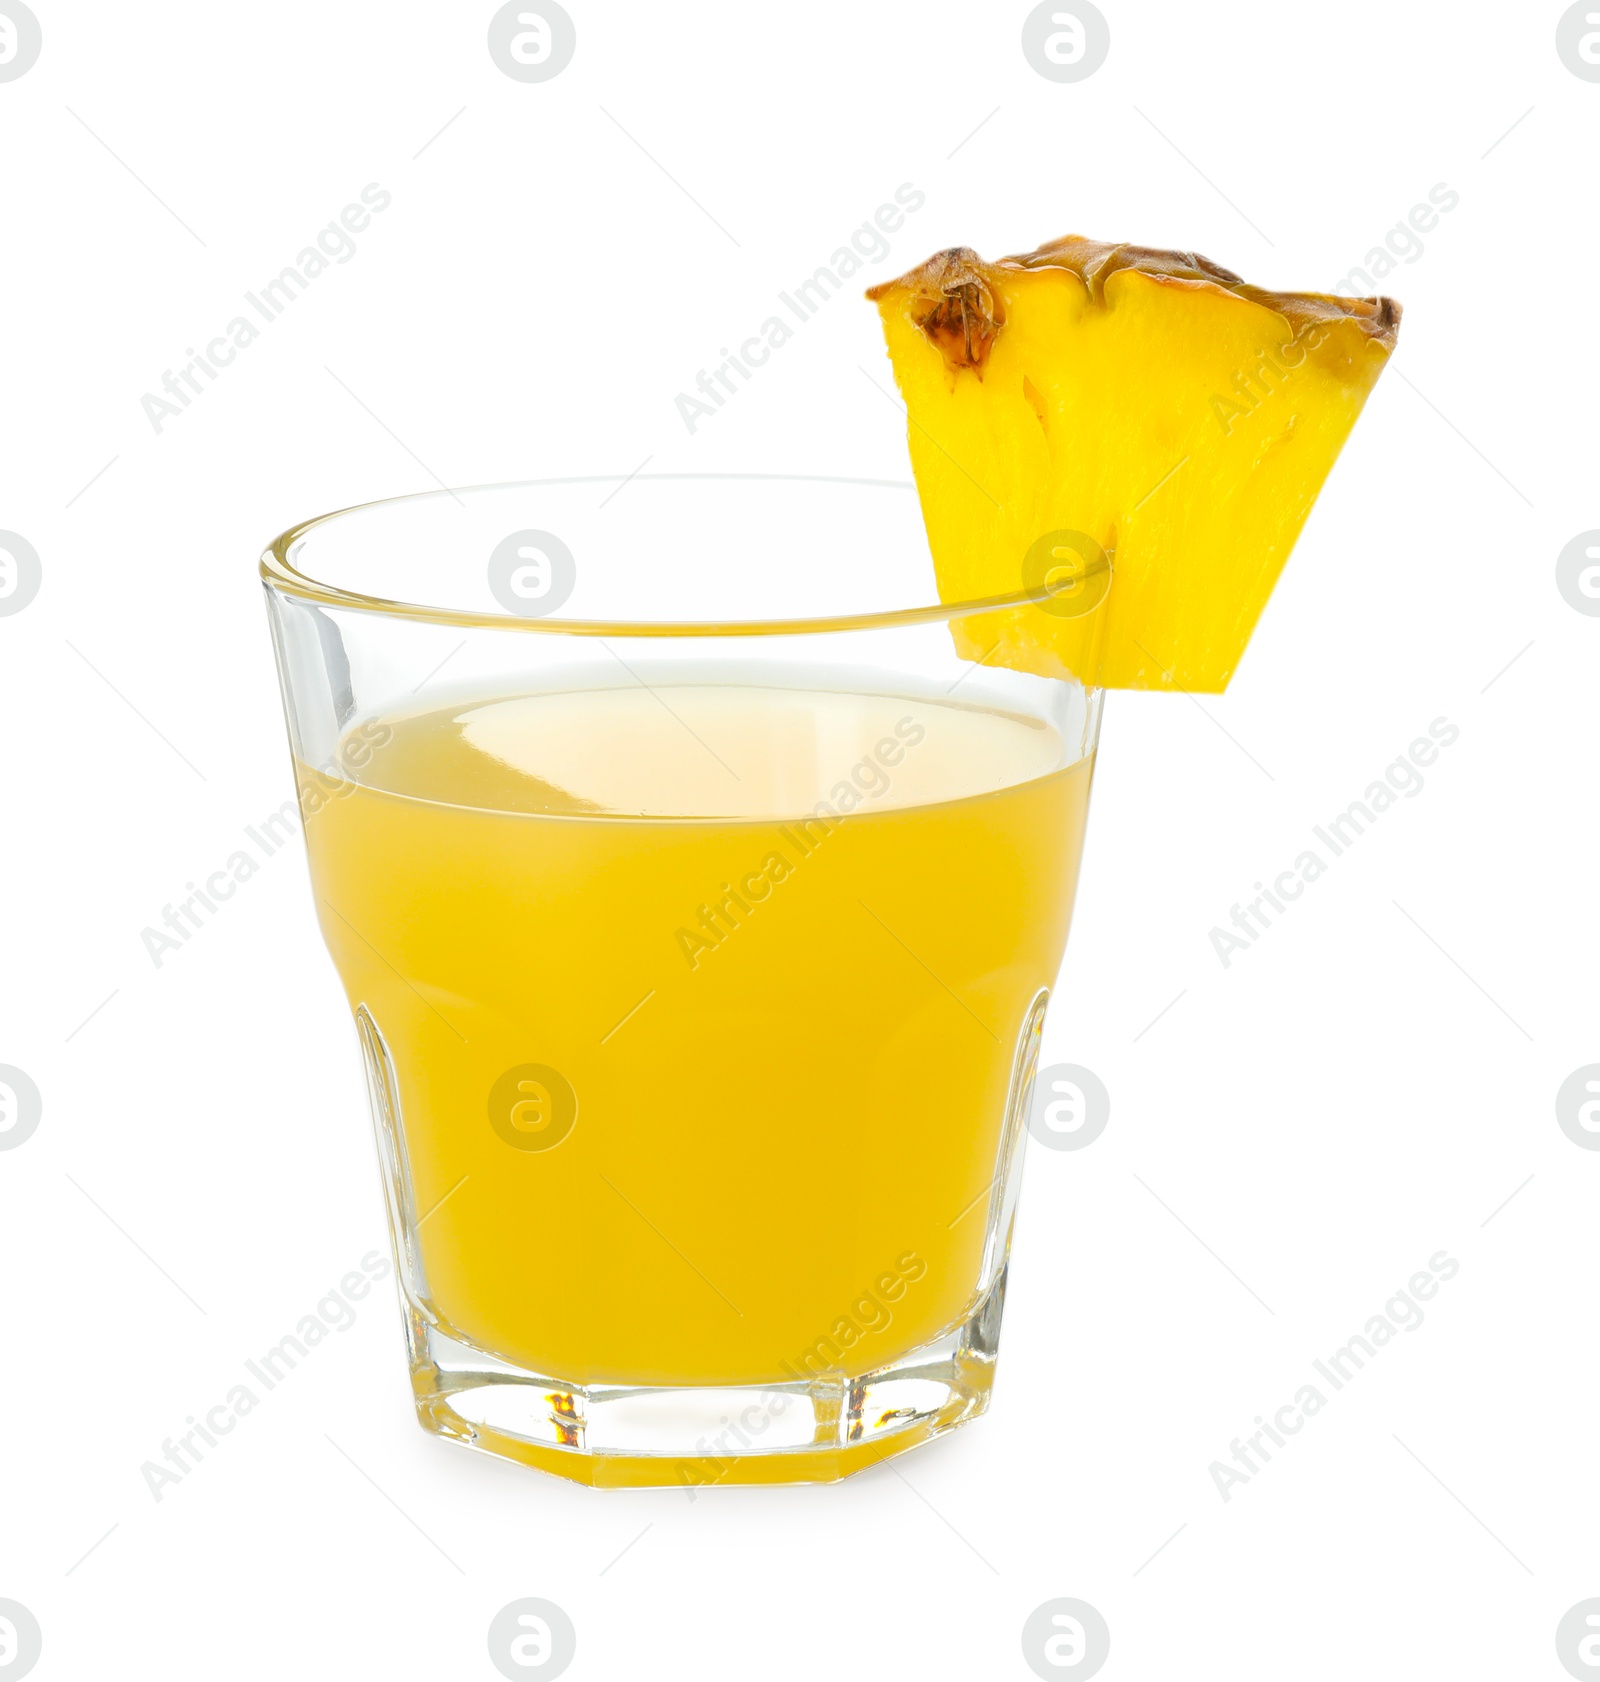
point(698, 885)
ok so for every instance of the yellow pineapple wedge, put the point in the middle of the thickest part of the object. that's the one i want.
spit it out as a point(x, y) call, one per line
point(1137, 432)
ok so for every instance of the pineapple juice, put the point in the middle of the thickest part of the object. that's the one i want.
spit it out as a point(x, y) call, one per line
point(703, 1005)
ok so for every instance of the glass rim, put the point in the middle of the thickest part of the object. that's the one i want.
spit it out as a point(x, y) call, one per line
point(278, 571)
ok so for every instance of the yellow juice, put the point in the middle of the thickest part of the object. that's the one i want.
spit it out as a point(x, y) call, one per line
point(771, 954)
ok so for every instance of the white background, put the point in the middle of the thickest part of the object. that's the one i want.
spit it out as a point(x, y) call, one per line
point(1362, 1088)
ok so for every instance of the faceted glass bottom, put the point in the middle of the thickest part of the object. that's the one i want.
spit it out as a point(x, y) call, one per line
point(627, 1437)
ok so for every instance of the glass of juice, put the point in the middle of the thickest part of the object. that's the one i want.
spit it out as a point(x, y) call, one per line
point(698, 885)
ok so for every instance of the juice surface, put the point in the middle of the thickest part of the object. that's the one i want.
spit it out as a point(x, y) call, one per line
point(780, 944)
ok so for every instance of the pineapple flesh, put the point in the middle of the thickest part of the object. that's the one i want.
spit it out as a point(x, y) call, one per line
point(1137, 435)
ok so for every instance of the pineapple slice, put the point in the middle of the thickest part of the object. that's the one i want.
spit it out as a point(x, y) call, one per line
point(1137, 432)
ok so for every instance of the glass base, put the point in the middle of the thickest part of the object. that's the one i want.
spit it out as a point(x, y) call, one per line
point(628, 1437)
